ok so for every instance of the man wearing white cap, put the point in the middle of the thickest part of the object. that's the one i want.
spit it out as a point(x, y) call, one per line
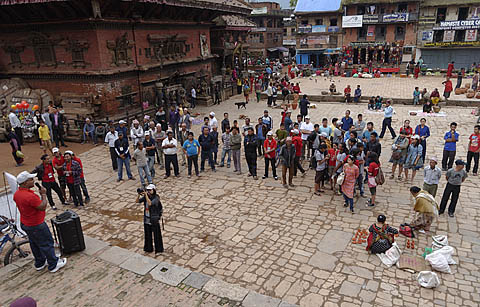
point(58, 162)
point(431, 177)
point(122, 128)
point(146, 123)
point(110, 139)
point(151, 219)
point(306, 128)
point(32, 219)
point(136, 133)
point(212, 121)
point(89, 131)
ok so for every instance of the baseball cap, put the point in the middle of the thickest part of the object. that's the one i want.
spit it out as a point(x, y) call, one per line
point(307, 117)
point(269, 133)
point(212, 113)
point(147, 132)
point(68, 152)
point(122, 121)
point(434, 159)
point(416, 137)
point(459, 162)
point(136, 121)
point(24, 176)
point(55, 149)
point(150, 187)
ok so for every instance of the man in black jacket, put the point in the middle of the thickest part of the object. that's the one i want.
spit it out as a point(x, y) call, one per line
point(207, 142)
point(58, 120)
point(45, 173)
point(250, 143)
point(287, 159)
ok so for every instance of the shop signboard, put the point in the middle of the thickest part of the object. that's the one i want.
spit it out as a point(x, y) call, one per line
point(319, 29)
point(352, 21)
point(371, 31)
point(370, 19)
point(317, 40)
point(305, 29)
point(333, 29)
point(458, 25)
point(471, 35)
point(427, 36)
point(453, 44)
point(259, 11)
point(448, 36)
point(397, 17)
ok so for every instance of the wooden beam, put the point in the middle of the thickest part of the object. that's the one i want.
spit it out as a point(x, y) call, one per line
point(53, 8)
point(68, 8)
point(13, 13)
point(78, 5)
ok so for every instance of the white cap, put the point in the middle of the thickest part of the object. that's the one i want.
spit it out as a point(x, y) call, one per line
point(147, 132)
point(307, 117)
point(416, 137)
point(68, 152)
point(295, 131)
point(212, 114)
point(55, 149)
point(269, 133)
point(324, 134)
point(136, 121)
point(158, 125)
point(87, 119)
point(147, 117)
point(24, 176)
point(150, 187)
point(122, 122)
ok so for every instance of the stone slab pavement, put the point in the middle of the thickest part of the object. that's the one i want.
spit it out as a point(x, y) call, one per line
point(93, 279)
point(262, 237)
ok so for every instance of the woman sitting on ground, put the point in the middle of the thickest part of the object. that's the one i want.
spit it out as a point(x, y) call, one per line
point(381, 236)
point(425, 208)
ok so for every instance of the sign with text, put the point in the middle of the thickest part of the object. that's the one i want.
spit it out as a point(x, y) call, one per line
point(317, 40)
point(398, 17)
point(453, 44)
point(259, 11)
point(449, 36)
point(353, 21)
point(333, 29)
point(371, 31)
point(427, 36)
point(319, 29)
point(305, 29)
point(458, 25)
point(370, 19)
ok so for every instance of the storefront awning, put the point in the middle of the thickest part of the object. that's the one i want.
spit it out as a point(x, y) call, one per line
point(272, 49)
point(332, 51)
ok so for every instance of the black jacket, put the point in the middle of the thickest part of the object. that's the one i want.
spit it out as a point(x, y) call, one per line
point(287, 157)
point(61, 120)
point(374, 147)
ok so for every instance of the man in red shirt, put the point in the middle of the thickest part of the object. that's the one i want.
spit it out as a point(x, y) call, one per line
point(45, 173)
point(32, 219)
point(347, 93)
point(473, 150)
point(58, 162)
point(297, 142)
point(269, 147)
point(83, 186)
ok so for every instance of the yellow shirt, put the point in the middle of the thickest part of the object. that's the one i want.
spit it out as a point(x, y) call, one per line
point(44, 133)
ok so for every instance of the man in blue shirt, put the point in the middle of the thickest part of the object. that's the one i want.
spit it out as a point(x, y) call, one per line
point(347, 121)
point(450, 148)
point(366, 133)
point(387, 120)
point(325, 128)
point(89, 131)
point(191, 147)
point(288, 121)
point(206, 141)
point(357, 94)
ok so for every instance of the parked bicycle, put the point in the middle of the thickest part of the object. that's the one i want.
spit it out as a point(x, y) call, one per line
point(18, 249)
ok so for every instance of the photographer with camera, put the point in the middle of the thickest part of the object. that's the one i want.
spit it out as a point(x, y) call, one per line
point(151, 218)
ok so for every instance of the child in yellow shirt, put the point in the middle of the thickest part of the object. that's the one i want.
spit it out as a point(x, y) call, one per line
point(44, 135)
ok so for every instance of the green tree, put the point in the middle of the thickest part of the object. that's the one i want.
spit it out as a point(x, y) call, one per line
point(293, 3)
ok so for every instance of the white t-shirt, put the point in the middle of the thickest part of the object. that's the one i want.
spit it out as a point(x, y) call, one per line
point(319, 156)
point(169, 151)
point(212, 122)
point(308, 127)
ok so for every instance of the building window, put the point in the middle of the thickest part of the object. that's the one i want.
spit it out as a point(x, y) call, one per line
point(438, 36)
point(261, 39)
point(463, 13)
point(44, 54)
point(399, 33)
point(333, 22)
point(319, 22)
point(361, 10)
point(305, 22)
point(460, 35)
point(270, 24)
point(15, 58)
point(402, 7)
point(362, 33)
point(441, 14)
point(148, 52)
point(77, 56)
point(285, 32)
point(380, 32)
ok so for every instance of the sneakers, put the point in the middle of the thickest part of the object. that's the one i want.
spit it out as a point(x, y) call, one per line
point(450, 214)
point(54, 208)
point(42, 267)
point(421, 231)
point(60, 264)
point(276, 178)
point(255, 177)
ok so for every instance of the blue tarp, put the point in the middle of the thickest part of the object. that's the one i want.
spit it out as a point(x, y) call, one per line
point(317, 6)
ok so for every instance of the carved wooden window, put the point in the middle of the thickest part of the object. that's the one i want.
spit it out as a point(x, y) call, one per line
point(148, 52)
point(77, 56)
point(44, 54)
point(15, 58)
point(121, 56)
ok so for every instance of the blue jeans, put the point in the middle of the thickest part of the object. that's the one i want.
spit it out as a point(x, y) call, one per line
point(229, 159)
point(360, 183)
point(151, 168)
point(142, 171)
point(120, 163)
point(41, 243)
point(348, 201)
point(206, 154)
point(91, 135)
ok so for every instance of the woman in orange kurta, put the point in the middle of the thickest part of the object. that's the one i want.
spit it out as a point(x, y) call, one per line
point(351, 174)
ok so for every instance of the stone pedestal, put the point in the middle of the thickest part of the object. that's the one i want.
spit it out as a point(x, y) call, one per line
point(204, 101)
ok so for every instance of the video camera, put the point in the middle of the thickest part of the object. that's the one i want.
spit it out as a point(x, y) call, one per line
point(140, 190)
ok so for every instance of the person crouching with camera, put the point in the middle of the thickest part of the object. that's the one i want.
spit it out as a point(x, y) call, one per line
point(152, 214)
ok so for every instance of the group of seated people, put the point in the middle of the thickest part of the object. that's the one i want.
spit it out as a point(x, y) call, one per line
point(90, 132)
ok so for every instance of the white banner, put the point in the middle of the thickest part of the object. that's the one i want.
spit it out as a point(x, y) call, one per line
point(353, 21)
point(448, 36)
point(8, 208)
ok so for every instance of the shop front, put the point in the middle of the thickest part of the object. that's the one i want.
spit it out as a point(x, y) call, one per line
point(381, 54)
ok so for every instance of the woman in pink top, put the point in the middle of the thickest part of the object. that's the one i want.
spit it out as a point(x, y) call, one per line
point(351, 174)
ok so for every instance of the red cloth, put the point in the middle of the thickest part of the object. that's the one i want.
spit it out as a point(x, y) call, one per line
point(269, 145)
point(81, 166)
point(27, 202)
point(373, 168)
point(390, 69)
point(48, 174)
point(69, 176)
point(474, 142)
point(297, 141)
point(333, 154)
point(450, 70)
point(448, 86)
point(59, 162)
point(347, 90)
point(296, 89)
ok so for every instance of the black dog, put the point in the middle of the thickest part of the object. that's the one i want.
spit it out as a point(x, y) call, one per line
point(241, 104)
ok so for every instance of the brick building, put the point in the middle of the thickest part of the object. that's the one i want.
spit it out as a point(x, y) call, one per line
point(383, 31)
point(120, 52)
point(266, 40)
point(319, 34)
point(448, 31)
point(289, 35)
